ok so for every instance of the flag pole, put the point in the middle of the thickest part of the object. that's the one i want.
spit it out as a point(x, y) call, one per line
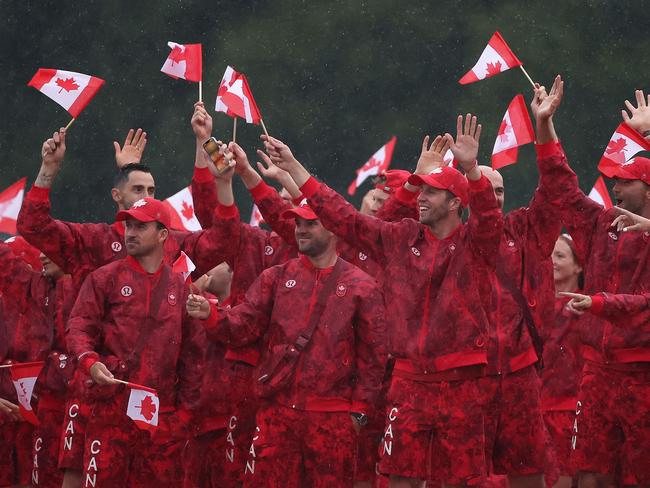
point(6, 365)
point(69, 123)
point(264, 128)
point(527, 75)
point(234, 129)
point(200, 90)
point(122, 381)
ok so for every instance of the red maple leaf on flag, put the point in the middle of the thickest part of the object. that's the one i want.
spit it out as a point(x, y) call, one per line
point(69, 84)
point(188, 210)
point(494, 68)
point(147, 408)
point(617, 146)
point(176, 56)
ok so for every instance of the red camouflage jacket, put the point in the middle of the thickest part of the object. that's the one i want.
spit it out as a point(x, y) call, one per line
point(136, 324)
point(562, 362)
point(613, 263)
point(81, 248)
point(341, 368)
point(435, 289)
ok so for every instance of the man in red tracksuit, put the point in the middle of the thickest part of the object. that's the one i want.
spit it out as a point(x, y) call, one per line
point(612, 426)
point(129, 322)
point(328, 316)
point(436, 282)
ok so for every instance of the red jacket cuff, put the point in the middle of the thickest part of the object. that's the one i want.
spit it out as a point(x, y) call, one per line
point(359, 407)
point(211, 323)
point(405, 196)
point(227, 211)
point(549, 149)
point(39, 194)
point(597, 304)
point(310, 187)
point(298, 201)
point(260, 191)
point(478, 185)
point(202, 175)
point(88, 360)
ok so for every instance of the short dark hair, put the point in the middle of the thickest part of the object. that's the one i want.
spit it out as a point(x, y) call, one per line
point(448, 196)
point(124, 172)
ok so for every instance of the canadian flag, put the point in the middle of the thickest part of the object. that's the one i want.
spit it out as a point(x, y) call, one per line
point(234, 97)
point(71, 90)
point(496, 58)
point(11, 200)
point(516, 130)
point(24, 376)
point(143, 406)
point(181, 210)
point(377, 164)
point(600, 194)
point(256, 217)
point(623, 146)
point(184, 266)
point(184, 61)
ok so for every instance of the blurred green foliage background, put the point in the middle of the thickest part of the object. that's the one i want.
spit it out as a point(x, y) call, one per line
point(334, 79)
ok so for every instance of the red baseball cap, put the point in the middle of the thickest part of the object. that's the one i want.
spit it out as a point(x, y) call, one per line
point(394, 179)
point(147, 210)
point(636, 169)
point(445, 178)
point(303, 211)
point(25, 251)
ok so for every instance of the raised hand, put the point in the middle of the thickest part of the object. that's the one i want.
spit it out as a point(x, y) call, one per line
point(547, 105)
point(197, 306)
point(52, 154)
point(628, 221)
point(201, 123)
point(640, 119)
point(131, 151)
point(270, 170)
point(432, 156)
point(228, 157)
point(279, 153)
point(465, 147)
point(236, 154)
point(539, 94)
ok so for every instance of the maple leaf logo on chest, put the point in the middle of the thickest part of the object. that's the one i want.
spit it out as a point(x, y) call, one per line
point(187, 211)
point(493, 68)
point(69, 84)
point(147, 408)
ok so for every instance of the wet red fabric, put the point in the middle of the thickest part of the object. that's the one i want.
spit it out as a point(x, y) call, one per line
point(295, 448)
point(559, 424)
point(344, 362)
point(45, 445)
point(612, 422)
point(434, 430)
point(116, 303)
point(75, 420)
point(15, 452)
point(448, 278)
point(81, 248)
point(613, 262)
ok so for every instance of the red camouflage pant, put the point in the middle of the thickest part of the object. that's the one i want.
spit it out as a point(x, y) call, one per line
point(46, 441)
point(117, 453)
point(15, 452)
point(297, 448)
point(612, 425)
point(434, 431)
point(76, 413)
point(515, 434)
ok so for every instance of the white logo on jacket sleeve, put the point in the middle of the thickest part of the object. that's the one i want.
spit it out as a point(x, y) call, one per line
point(116, 246)
point(362, 256)
point(613, 236)
point(268, 250)
point(290, 283)
point(415, 251)
point(126, 291)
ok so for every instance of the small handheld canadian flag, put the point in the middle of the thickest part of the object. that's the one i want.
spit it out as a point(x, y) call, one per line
point(623, 146)
point(496, 58)
point(377, 164)
point(185, 266)
point(235, 98)
point(184, 61)
point(24, 377)
point(181, 210)
point(73, 91)
point(515, 130)
point(256, 217)
point(143, 406)
point(600, 194)
point(11, 200)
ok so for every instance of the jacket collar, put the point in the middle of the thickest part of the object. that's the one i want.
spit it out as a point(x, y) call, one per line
point(136, 266)
point(304, 260)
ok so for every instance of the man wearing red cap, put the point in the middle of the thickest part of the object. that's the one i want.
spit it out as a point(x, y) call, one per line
point(436, 279)
point(324, 322)
point(129, 322)
point(612, 425)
